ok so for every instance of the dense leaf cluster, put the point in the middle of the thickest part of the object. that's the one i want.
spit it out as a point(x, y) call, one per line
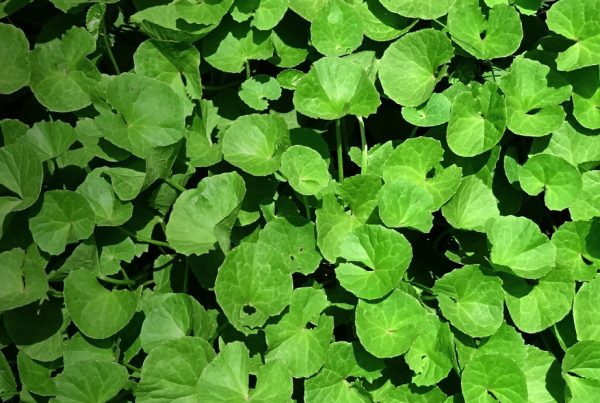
point(300, 200)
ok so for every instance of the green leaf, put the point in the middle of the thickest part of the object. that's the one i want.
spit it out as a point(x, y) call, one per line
point(586, 96)
point(141, 122)
point(578, 249)
point(586, 310)
point(360, 193)
point(519, 247)
point(175, 64)
point(23, 278)
point(65, 217)
point(560, 180)
point(542, 374)
point(578, 21)
point(171, 370)
point(50, 139)
point(337, 30)
point(233, 44)
point(333, 226)
point(255, 143)
point(430, 356)
point(269, 13)
point(421, 56)
point(581, 370)
point(14, 59)
point(97, 312)
point(253, 284)
point(258, 89)
point(181, 20)
point(108, 209)
point(388, 327)
point(471, 298)
point(533, 97)
point(294, 341)
point(376, 258)
point(497, 33)
point(477, 121)
point(491, 377)
point(295, 238)
point(62, 78)
point(380, 24)
point(91, 381)
point(35, 375)
point(345, 361)
point(21, 172)
point(81, 348)
point(305, 170)
point(204, 216)
point(426, 10)
point(307, 9)
point(334, 88)
point(176, 316)
point(417, 160)
point(434, 112)
point(37, 329)
point(535, 306)
point(587, 205)
point(225, 379)
point(471, 206)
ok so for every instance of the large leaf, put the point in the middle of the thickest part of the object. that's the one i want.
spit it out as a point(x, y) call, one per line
point(421, 56)
point(204, 216)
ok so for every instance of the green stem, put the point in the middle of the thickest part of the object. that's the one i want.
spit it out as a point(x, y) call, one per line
point(421, 287)
point(340, 154)
point(174, 185)
point(144, 239)
point(116, 281)
point(108, 49)
point(363, 144)
point(306, 207)
point(248, 72)
point(131, 367)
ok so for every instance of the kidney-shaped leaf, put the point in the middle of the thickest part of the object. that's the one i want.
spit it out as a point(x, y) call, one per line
point(305, 170)
point(519, 247)
point(64, 218)
point(338, 29)
point(423, 9)
point(376, 259)
point(491, 377)
point(204, 216)
point(253, 284)
point(471, 298)
point(334, 88)
point(420, 56)
point(560, 180)
point(579, 21)
point(255, 143)
point(14, 59)
point(388, 327)
point(97, 312)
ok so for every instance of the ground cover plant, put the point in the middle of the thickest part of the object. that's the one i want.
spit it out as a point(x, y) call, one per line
point(299, 200)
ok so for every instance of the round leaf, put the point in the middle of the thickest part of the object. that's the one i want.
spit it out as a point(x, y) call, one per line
point(64, 218)
point(255, 143)
point(560, 180)
point(423, 9)
point(471, 298)
point(421, 57)
point(386, 255)
point(493, 376)
point(14, 59)
point(337, 30)
point(334, 88)
point(305, 170)
point(388, 327)
point(97, 312)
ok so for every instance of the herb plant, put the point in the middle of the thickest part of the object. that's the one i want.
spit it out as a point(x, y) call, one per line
point(299, 200)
